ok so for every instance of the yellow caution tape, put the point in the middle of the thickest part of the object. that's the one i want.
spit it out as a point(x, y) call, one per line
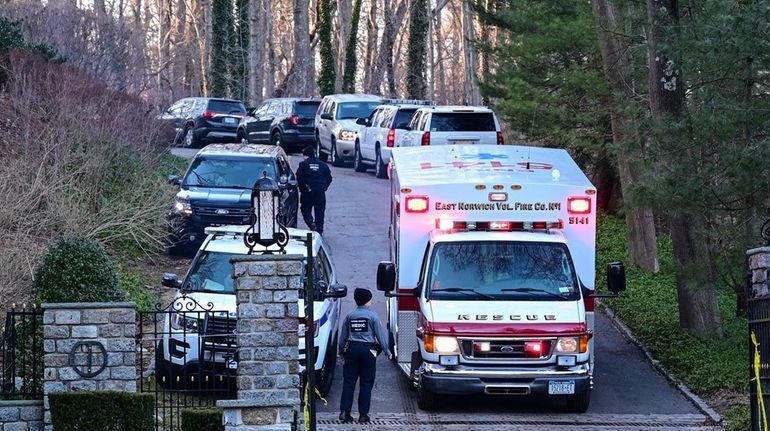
point(307, 403)
point(757, 366)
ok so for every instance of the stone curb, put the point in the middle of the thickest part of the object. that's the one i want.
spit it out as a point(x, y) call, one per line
point(715, 417)
point(20, 403)
point(264, 257)
point(86, 305)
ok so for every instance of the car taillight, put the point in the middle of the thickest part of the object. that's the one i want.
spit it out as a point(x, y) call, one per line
point(293, 119)
point(391, 138)
point(579, 205)
point(416, 204)
point(500, 140)
point(208, 115)
point(534, 349)
point(425, 139)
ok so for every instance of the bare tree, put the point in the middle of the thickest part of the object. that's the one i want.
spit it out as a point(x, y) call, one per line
point(300, 80)
point(472, 94)
point(256, 51)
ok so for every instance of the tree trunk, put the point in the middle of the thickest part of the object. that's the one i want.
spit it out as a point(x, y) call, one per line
point(370, 86)
point(256, 51)
point(440, 77)
point(696, 291)
point(385, 52)
point(269, 48)
point(299, 81)
point(180, 50)
point(351, 57)
point(417, 50)
point(472, 94)
point(342, 35)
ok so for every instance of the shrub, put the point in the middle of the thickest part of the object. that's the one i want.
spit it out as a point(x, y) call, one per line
point(202, 420)
point(77, 270)
point(135, 284)
point(102, 411)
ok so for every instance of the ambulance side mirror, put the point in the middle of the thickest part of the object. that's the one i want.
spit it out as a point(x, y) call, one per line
point(336, 290)
point(386, 277)
point(616, 277)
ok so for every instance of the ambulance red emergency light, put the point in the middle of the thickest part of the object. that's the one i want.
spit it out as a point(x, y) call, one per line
point(491, 280)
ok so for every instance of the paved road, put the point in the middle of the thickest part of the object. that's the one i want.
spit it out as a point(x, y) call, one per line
point(629, 393)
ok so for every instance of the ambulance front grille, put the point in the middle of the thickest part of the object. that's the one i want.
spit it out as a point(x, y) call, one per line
point(406, 339)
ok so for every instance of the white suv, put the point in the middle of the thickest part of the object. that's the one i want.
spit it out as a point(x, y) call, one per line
point(335, 124)
point(383, 130)
point(208, 286)
point(448, 125)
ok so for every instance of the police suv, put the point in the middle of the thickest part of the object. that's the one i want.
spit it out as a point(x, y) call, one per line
point(491, 277)
point(451, 125)
point(208, 285)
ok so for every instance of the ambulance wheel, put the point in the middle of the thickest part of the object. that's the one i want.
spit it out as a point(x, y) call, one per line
point(579, 403)
point(380, 169)
point(334, 155)
point(325, 376)
point(426, 400)
point(358, 162)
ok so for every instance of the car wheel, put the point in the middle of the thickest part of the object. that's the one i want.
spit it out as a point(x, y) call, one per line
point(241, 138)
point(358, 162)
point(189, 140)
point(325, 376)
point(336, 160)
point(579, 403)
point(380, 168)
point(275, 139)
point(321, 155)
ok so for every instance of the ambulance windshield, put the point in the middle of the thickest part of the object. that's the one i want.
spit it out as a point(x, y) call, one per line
point(502, 271)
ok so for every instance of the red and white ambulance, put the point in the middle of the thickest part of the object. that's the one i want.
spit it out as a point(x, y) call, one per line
point(491, 280)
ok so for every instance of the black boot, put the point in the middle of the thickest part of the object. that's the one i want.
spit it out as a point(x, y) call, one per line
point(364, 419)
point(345, 417)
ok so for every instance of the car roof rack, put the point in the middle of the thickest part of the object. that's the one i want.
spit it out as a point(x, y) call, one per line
point(239, 230)
point(408, 102)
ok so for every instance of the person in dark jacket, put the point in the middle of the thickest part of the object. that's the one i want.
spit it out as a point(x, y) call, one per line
point(313, 178)
point(362, 339)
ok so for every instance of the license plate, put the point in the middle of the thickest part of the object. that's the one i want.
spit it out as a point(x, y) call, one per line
point(232, 364)
point(560, 388)
point(465, 142)
point(229, 120)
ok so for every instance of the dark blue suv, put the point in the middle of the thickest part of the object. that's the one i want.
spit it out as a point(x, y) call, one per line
point(216, 190)
point(286, 122)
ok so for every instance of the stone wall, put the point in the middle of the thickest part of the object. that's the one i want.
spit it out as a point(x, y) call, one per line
point(21, 415)
point(89, 347)
point(267, 290)
point(759, 263)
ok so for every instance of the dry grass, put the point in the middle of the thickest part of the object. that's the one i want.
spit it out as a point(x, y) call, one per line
point(76, 158)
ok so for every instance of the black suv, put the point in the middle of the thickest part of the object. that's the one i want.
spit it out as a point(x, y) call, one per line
point(201, 120)
point(286, 122)
point(216, 190)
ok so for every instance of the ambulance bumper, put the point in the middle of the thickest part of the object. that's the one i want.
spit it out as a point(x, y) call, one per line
point(464, 380)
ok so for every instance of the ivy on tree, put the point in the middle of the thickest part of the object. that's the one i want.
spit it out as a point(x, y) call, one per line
point(349, 76)
point(328, 73)
point(417, 50)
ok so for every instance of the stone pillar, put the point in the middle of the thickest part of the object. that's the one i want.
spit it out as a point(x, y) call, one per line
point(759, 263)
point(88, 347)
point(267, 290)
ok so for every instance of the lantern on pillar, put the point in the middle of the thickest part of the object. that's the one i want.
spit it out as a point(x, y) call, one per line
point(266, 229)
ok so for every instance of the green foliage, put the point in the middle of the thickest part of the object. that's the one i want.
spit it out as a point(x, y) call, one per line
point(102, 411)
point(649, 308)
point(221, 47)
point(548, 81)
point(349, 76)
point(75, 269)
point(417, 49)
point(739, 418)
point(11, 36)
point(209, 419)
point(240, 51)
point(137, 289)
point(328, 73)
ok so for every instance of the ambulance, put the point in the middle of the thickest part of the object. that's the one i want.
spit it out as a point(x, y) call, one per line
point(490, 282)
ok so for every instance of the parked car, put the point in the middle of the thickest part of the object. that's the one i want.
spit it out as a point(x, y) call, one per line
point(335, 124)
point(286, 122)
point(448, 125)
point(216, 190)
point(202, 120)
point(383, 130)
point(192, 334)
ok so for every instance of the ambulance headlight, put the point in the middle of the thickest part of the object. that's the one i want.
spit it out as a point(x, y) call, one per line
point(347, 135)
point(441, 344)
point(572, 344)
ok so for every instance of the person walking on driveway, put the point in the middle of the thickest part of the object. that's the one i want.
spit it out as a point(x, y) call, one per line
point(313, 178)
point(361, 341)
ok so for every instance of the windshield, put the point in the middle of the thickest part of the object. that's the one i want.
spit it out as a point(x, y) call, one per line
point(226, 107)
point(235, 173)
point(356, 109)
point(211, 272)
point(402, 118)
point(462, 122)
point(502, 270)
point(307, 109)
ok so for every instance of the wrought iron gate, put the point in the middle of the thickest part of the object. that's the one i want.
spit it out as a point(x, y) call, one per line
point(758, 314)
point(186, 358)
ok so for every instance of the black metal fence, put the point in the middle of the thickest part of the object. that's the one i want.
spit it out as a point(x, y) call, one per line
point(186, 358)
point(21, 355)
point(758, 314)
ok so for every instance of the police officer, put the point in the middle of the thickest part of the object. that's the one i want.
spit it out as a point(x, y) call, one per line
point(313, 178)
point(362, 340)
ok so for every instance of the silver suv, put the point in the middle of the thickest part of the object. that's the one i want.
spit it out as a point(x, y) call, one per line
point(335, 124)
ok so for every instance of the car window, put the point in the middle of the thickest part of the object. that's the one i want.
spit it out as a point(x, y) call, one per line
point(403, 116)
point(415, 120)
point(227, 172)
point(332, 107)
point(211, 272)
point(375, 117)
point(353, 110)
point(176, 108)
point(462, 122)
point(262, 108)
point(387, 118)
point(325, 266)
point(226, 107)
point(423, 120)
point(306, 109)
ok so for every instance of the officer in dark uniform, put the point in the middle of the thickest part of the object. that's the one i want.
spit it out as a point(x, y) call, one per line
point(313, 178)
point(362, 340)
